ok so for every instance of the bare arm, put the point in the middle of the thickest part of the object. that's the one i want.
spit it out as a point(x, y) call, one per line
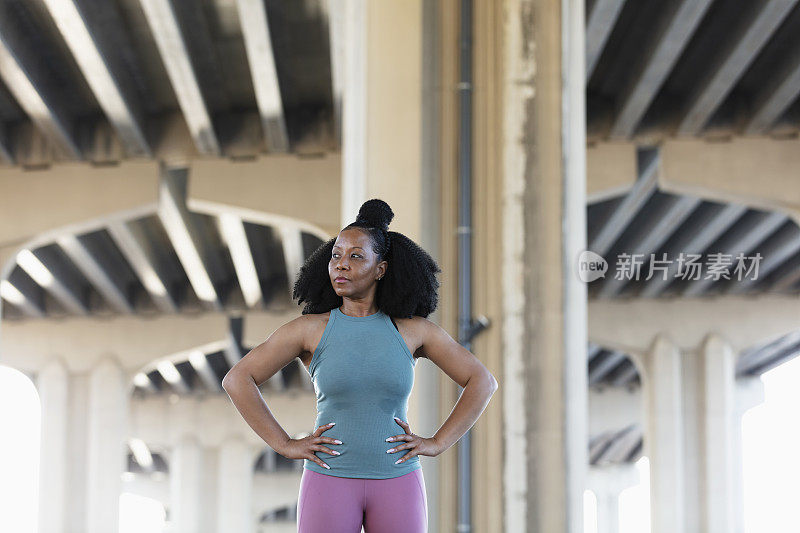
point(465, 369)
point(262, 362)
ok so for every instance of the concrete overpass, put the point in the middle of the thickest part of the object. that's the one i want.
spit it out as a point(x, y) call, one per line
point(167, 166)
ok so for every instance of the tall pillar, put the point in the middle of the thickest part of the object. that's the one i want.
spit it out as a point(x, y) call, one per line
point(186, 484)
point(235, 487)
point(718, 408)
point(663, 437)
point(354, 109)
point(106, 444)
point(52, 385)
point(544, 208)
point(607, 482)
point(749, 394)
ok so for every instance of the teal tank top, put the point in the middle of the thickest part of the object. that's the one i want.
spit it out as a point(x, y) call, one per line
point(363, 373)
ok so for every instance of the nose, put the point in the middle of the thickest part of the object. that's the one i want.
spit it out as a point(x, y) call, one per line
point(342, 264)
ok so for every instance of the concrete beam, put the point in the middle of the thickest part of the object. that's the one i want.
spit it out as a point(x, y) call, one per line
point(213, 417)
point(120, 109)
point(272, 185)
point(779, 247)
point(649, 237)
point(336, 29)
point(610, 170)
point(62, 284)
point(672, 34)
point(712, 222)
point(98, 275)
point(21, 299)
point(630, 326)
point(143, 261)
point(166, 31)
point(33, 203)
point(175, 217)
point(27, 345)
point(776, 97)
point(601, 369)
point(745, 49)
point(231, 228)
point(260, 55)
point(755, 172)
point(636, 197)
point(601, 21)
point(31, 87)
point(743, 238)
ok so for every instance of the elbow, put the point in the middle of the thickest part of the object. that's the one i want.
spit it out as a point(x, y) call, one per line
point(229, 379)
point(488, 381)
point(236, 379)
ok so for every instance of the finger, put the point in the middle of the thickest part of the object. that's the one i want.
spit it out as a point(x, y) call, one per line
point(320, 429)
point(320, 448)
point(407, 456)
point(328, 440)
point(404, 436)
point(403, 424)
point(318, 461)
point(401, 447)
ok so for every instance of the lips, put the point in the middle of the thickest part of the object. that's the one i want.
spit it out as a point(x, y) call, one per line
point(341, 279)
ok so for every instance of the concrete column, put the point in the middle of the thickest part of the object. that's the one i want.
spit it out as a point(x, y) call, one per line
point(749, 393)
point(663, 436)
point(719, 409)
point(107, 431)
point(354, 109)
point(607, 482)
point(186, 484)
point(52, 385)
point(545, 377)
point(235, 487)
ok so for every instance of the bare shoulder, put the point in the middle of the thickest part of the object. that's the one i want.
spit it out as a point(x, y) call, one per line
point(416, 330)
point(311, 328)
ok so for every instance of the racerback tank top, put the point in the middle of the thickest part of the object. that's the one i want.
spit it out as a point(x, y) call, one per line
point(363, 373)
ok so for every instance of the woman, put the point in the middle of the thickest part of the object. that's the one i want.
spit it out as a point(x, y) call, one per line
point(368, 293)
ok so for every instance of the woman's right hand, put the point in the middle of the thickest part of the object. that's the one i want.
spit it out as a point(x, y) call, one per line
point(304, 448)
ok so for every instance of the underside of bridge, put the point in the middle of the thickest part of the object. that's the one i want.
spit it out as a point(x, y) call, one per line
point(103, 82)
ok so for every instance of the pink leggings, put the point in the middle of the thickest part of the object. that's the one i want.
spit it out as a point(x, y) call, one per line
point(330, 504)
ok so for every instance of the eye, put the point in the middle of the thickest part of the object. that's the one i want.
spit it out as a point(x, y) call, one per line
point(357, 255)
point(334, 254)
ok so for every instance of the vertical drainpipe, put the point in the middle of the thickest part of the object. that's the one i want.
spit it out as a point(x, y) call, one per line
point(465, 247)
point(467, 328)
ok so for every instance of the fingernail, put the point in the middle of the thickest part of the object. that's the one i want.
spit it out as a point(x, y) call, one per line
point(390, 451)
point(397, 461)
point(326, 466)
point(337, 441)
point(335, 452)
point(396, 418)
point(390, 439)
point(332, 424)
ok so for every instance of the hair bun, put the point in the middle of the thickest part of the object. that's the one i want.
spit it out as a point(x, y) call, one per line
point(375, 213)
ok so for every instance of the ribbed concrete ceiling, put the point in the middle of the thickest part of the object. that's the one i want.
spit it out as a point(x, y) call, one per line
point(660, 68)
point(104, 80)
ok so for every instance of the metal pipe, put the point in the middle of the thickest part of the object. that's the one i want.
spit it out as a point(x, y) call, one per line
point(465, 248)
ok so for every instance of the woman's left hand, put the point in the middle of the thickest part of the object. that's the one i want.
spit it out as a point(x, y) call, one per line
point(418, 445)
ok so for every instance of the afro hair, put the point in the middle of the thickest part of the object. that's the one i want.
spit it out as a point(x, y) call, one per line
point(409, 287)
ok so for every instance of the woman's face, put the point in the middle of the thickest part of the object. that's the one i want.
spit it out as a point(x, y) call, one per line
point(353, 259)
